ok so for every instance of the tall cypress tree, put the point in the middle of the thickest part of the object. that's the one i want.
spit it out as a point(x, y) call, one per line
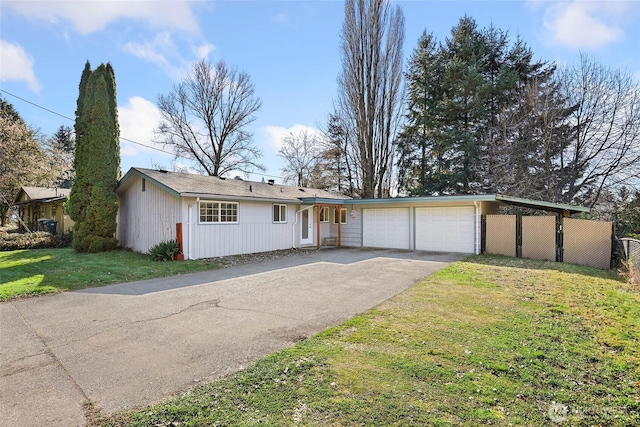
point(93, 201)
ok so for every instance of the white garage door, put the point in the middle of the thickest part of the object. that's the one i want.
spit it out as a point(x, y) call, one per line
point(386, 228)
point(445, 229)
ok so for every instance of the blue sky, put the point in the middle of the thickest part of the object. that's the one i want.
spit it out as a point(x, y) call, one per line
point(290, 49)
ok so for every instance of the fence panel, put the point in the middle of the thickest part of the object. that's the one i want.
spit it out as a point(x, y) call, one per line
point(501, 235)
point(539, 237)
point(587, 242)
point(632, 252)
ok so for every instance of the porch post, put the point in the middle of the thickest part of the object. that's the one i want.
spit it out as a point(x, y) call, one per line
point(319, 208)
point(339, 212)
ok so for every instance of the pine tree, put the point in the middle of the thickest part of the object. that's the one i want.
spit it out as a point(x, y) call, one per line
point(61, 148)
point(459, 91)
point(93, 201)
point(421, 157)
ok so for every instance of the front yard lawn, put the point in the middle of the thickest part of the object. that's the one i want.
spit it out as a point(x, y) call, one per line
point(39, 271)
point(486, 341)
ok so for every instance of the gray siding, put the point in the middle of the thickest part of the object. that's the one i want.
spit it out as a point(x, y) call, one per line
point(351, 231)
point(146, 217)
point(254, 232)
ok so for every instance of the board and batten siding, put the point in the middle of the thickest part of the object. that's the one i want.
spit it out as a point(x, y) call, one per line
point(254, 232)
point(350, 232)
point(148, 217)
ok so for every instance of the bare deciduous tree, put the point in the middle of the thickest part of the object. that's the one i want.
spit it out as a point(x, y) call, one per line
point(370, 87)
point(205, 117)
point(338, 160)
point(21, 158)
point(606, 148)
point(300, 151)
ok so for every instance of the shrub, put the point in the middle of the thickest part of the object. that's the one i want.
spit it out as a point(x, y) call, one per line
point(164, 251)
point(35, 240)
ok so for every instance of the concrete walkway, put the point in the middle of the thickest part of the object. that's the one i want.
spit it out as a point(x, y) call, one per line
point(129, 345)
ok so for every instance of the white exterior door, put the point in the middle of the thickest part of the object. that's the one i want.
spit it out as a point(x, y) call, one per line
point(306, 227)
point(450, 229)
point(386, 228)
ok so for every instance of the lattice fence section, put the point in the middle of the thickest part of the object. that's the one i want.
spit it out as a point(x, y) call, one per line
point(587, 242)
point(539, 237)
point(501, 235)
point(632, 252)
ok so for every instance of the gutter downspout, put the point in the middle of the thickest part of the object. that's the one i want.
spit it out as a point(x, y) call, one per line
point(189, 226)
point(293, 227)
point(477, 237)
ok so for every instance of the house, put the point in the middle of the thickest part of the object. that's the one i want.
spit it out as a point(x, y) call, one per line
point(37, 206)
point(217, 217)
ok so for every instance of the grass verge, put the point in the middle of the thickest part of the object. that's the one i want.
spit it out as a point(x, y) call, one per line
point(486, 341)
point(39, 271)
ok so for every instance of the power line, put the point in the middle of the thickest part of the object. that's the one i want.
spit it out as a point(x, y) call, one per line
point(121, 137)
point(70, 119)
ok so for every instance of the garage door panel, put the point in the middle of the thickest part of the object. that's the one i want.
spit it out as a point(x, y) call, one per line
point(449, 229)
point(386, 228)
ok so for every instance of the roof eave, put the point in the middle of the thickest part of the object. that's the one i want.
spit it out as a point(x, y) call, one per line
point(41, 200)
point(412, 200)
point(135, 171)
point(536, 204)
point(232, 198)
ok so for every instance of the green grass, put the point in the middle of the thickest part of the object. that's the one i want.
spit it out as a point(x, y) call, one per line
point(39, 271)
point(486, 341)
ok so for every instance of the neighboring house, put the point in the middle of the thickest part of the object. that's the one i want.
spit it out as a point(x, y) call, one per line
point(39, 205)
point(219, 217)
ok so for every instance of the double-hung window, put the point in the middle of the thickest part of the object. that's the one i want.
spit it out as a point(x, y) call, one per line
point(324, 214)
point(280, 213)
point(218, 212)
point(343, 216)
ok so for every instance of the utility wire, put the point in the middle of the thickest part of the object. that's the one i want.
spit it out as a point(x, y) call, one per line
point(121, 137)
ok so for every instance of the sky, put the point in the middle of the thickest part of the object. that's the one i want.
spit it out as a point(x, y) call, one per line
point(289, 48)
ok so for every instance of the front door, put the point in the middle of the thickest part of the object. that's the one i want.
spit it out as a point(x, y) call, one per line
point(306, 227)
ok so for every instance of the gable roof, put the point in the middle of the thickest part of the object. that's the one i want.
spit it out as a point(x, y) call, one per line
point(191, 185)
point(43, 194)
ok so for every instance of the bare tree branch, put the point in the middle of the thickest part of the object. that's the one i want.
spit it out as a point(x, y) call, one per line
point(204, 118)
point(370, 87)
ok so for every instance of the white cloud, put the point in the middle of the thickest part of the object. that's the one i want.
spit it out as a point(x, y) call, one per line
point(203, 51)
point(91, 16)
point(137, 120)
point(163, 52)
point(16, 64)
point(280, 18)
point(275, 134)
point(585, 24)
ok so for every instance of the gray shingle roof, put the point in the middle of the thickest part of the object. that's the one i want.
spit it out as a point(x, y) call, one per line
point(204, 185)
point(38, 193)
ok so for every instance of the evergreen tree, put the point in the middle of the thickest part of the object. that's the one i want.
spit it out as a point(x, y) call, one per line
point(422, 160)
point(61, 148)
point(525, 159)
point(458, 91)
point(336, 163)
point(93, 201)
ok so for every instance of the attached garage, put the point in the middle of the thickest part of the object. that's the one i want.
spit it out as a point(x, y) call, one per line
point(445, 229)
point(386, 228)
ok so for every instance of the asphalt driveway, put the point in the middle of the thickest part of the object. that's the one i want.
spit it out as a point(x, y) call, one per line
point(124, 346)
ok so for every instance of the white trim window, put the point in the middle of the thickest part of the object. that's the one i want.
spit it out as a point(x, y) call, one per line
point(343, 216)
point(324, 214)
point(279, 213)
point(218, 212)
